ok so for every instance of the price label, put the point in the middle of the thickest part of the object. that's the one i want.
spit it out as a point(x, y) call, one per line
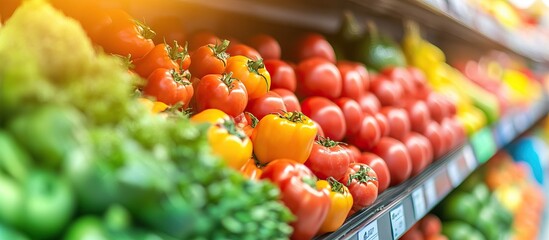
point(430, 192)
point(398, 223)
point(469, 156)
point(521, 122)
point(507, 130)
point(418, 199)
point(453, 173)
point(369, 232)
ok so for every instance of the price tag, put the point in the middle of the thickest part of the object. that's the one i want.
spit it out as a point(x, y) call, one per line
point(453, 173)
point(469, 156)
point(369, 232)
point(521, 122)
point(430, 192)
point(507, 130)
point(418, 199)
point(398, 223)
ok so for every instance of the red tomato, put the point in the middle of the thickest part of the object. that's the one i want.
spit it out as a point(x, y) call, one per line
point(388, 92)
point(313, 45)
point(318, 77)
point(169, 87)
point(435, 136)
point(383, 123)
point(125, 36)
point(448, 134)
point(290, 100)
point(379, 166)
point(362, 183)
point(352, 83)
point(418, 78)
point(395, 154)
point(209, 59)
point(353, 115)
point(437, 106)
point(421, 152)
point(221, 92)
point(282, 74)
point(399, 123)
point(369, 103)
point(403, 77)
point(161, 56)
point(419, 114)
point(243, 50)
point(308, 204)
point(362, 71)
point(327, 114)
point(430, 225)
point(320, 132)
point(369, 133)
point(459, 130)
point(412, 234)
point(328, 159)
point(266, 45)
point(201, 38)
point(354, 152)
point(268, 103)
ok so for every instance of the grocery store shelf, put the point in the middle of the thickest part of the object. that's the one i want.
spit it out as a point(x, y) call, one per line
point(451, 18)
point(398, 208)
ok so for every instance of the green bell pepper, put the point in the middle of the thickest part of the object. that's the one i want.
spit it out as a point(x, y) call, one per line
point(378, 51)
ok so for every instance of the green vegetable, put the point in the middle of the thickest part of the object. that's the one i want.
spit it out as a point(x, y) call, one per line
point(459, 206)
point(378, 51)
point(49, 133)
point(458, 230)
point(11, 234)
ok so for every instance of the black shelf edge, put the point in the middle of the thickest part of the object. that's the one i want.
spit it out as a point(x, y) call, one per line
point(399, 207)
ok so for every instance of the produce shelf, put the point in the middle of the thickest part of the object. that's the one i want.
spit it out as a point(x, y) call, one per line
point(446, 17)
point(398, 208)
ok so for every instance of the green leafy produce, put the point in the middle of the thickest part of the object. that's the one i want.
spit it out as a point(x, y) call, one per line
point(71, 111)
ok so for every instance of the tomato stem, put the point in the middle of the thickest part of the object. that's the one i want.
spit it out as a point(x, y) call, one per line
point(219, 50)
point(228, 79)
point(336, 186)
point(254, 66)
point(253, 118)
point(231, 128)
point(144, 30)
point(173, 52)
point(295, 116)
point(327, 142)
point(362, 176)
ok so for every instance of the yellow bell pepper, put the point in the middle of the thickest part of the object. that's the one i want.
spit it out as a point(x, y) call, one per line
point(341, 203)
point(289, 135)
point(226, 140)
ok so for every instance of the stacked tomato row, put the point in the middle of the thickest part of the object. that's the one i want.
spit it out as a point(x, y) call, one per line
point(356, 131)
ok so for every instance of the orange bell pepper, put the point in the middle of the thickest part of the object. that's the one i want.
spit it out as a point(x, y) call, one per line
point(251, 170)
point(341, 203)
point(289, 135)
point(226, 140)
point(252, 73)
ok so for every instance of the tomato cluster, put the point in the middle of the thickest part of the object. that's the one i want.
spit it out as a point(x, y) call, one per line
point(330, 134)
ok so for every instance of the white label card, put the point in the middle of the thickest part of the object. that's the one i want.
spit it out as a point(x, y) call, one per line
point(469, 156)
point(398, 223)
point(430, 192)
point(369, 232)
point(418, 199)
point(453, 173)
